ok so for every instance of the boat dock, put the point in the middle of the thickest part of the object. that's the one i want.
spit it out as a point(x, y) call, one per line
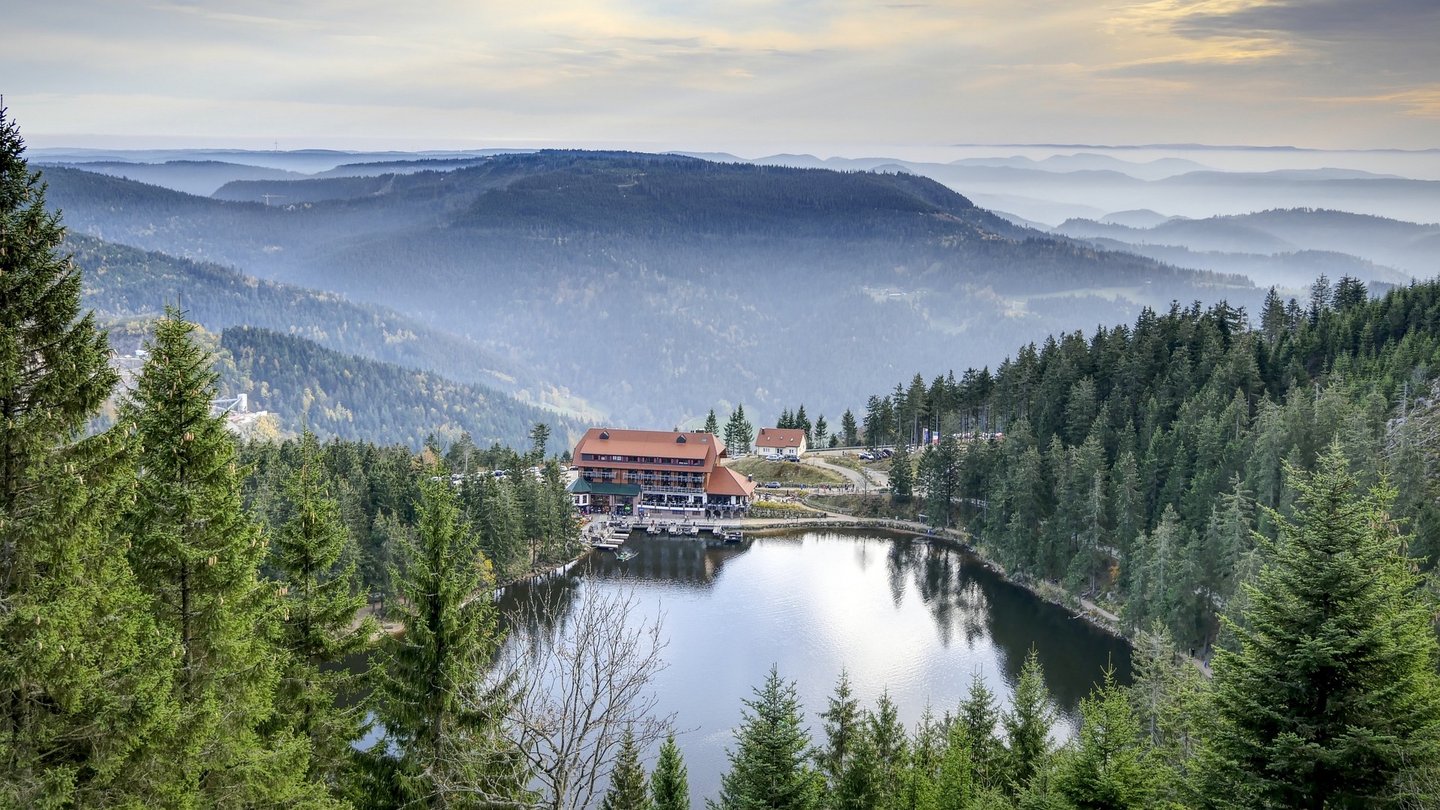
point(610, 535)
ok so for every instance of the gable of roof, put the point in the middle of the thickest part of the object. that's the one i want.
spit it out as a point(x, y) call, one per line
point(780, 437)
point(725, 481)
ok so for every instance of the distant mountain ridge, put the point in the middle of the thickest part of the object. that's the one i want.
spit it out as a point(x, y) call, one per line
point(659, 286)
point(1396, 249)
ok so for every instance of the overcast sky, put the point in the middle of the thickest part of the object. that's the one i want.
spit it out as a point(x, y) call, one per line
point(747, 76)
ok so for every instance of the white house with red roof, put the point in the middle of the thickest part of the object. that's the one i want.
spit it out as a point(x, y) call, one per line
point(788, 442)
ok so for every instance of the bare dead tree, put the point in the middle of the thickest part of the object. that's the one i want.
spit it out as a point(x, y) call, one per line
point(585, 677)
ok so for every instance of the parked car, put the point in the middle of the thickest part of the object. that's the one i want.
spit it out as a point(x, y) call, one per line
point(772, 485)
point(772, 457)
point(866, 457)
point(792, 458)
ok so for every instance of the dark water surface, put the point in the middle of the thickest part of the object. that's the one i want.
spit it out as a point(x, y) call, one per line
point(899, 615)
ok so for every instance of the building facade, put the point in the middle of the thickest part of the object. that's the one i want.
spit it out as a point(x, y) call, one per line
point(788, 442)
point(629, 471)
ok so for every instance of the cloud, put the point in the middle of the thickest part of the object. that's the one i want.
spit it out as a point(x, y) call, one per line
point(1318, 20)
point(779, 70)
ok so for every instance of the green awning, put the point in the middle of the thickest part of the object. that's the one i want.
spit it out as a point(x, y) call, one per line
point(582, 487)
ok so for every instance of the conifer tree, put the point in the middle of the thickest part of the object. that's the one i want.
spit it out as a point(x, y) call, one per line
point(849, 429)
point(314, 558)
point(979, 715)
point(712, 425)
point(1109, 768)
point(1332, 699)
point(892, 748)
point(83, 674)
point(921, 766)
point(669, 783)
point(902, 475)
point(539, 436)
point(956, 785)
point(739, 433)
point(627, 779)
point(1168, 695)
point(444, 744)
point(768, 767)
point(842, 721)
point(861, 784)
point(196, 554)
point(1027, 725)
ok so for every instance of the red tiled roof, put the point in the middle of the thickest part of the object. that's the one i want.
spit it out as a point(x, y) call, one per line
point(648, 443)
point(780, 437)
point(725, 481)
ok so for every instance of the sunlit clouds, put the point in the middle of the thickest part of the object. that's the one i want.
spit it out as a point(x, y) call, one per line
point(802, 75)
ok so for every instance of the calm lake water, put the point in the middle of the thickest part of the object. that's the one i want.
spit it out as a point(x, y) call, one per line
point(899, 615)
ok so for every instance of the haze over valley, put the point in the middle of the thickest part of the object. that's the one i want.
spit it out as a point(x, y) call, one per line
point(644, 288)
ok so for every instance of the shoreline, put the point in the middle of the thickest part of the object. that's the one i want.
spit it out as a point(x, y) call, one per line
point(959, 540)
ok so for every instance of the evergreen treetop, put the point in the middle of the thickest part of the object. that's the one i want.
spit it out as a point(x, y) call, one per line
point(1332, 699)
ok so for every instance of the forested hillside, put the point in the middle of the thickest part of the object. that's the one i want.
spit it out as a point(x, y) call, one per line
point(1137, 461)
point(126, 284)
point(351, 397)
point(715, 281)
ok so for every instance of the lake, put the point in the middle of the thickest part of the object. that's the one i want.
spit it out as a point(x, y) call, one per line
point(897, 614)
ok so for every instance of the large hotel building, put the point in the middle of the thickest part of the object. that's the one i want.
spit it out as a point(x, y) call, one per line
point(627, 470)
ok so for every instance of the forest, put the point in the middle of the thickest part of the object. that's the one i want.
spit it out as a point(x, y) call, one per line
point(173, 606)
point(1144, 466)
point(351, 397)
point(718, 277)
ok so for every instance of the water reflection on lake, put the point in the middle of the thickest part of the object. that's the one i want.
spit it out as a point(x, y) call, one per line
point(898, 614)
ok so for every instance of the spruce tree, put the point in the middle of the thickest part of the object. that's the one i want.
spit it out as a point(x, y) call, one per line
point(768, 767)
point(314, 557)
point(892, 748)
point(849, 429)
point(1109, 768)
point(83, 679)
point(627, 779)
point(196, 555)
point(979, 715)
point(1027, 725)
point(669, 783)
point(1168, 695)
point(1332, 699)
point(712, 425)
point(842, 720)
point(444, 742)
point(902, 475)
point(956, 786)
point(861, 784)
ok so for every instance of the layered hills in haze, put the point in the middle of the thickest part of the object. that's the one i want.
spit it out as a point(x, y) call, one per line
point(659, 286)
point(317, 360)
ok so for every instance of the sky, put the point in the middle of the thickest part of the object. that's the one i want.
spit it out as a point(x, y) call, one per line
point(745, 76)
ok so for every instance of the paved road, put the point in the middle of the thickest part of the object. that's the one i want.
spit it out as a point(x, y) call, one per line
point(876, 479)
